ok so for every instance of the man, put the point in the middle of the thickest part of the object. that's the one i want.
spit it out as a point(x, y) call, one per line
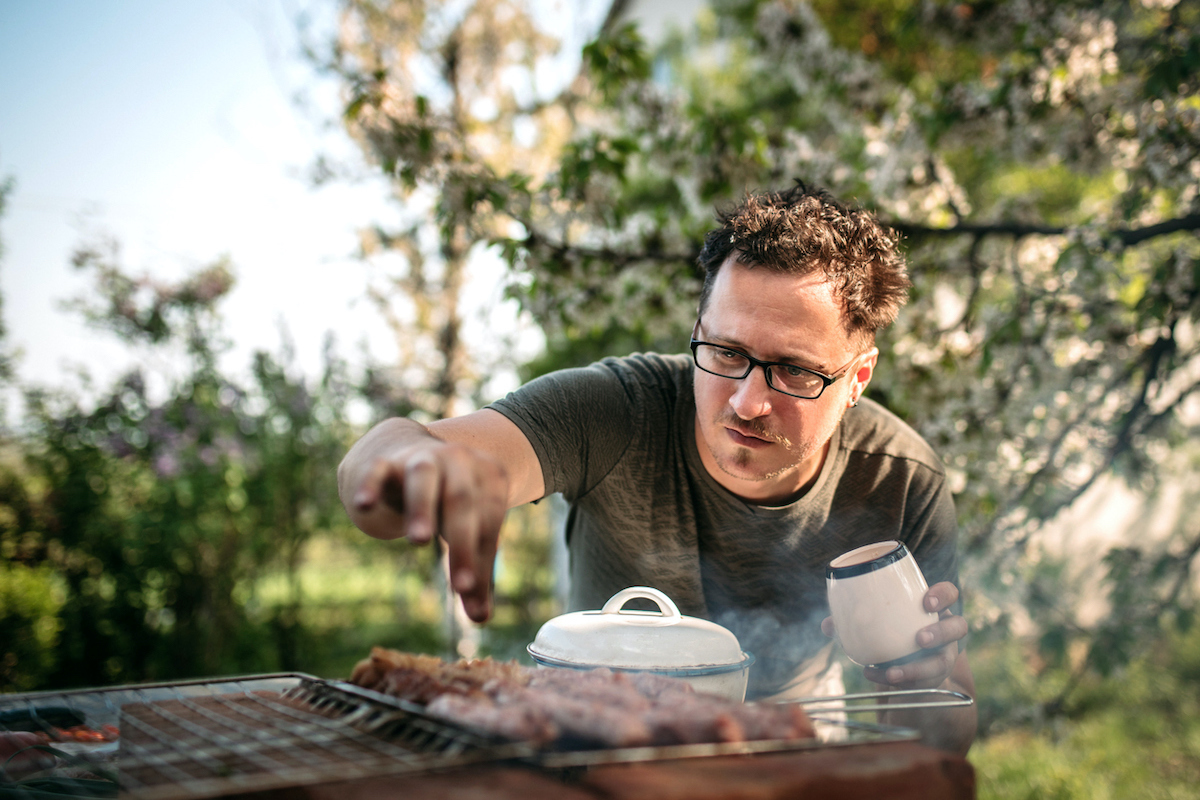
point(728, 479)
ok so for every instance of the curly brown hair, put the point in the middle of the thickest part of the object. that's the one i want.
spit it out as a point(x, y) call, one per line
point(802, 229)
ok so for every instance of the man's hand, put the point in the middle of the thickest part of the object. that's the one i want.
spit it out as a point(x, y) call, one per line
point(945, 668)
point(943, 637)
point(400, 480)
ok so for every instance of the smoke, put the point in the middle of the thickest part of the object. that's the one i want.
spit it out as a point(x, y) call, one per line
point(774, 606)
point(780, 646)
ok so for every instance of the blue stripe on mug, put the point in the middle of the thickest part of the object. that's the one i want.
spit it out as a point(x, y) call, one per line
point(862, 568)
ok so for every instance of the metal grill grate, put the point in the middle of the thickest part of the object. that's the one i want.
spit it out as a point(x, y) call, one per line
point(198, 739)
point(210, 738)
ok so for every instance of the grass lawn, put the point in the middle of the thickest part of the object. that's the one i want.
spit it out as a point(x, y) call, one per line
point(1113, 755)
point(1130, 735)
point(351, 594)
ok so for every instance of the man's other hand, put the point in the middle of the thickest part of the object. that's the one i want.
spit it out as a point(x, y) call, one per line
point(454, 479)
point(427, 487)
point(941, 639)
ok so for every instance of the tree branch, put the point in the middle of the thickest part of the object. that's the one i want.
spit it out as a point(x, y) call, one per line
point(1135, 419)
point(1183, 567)
point(1126, 236)
point(623, 258)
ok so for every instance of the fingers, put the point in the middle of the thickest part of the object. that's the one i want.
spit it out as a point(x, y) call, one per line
point(941, 596)
point(378, 504)
point(461, 532)
point(827, 627)
point(400, 480)
point(924, 673)
point(446, 490)
point(477, 602)
point(471, 522)
point(940, 641)
point(421, 479)
point(368, 492)
point(949, 629)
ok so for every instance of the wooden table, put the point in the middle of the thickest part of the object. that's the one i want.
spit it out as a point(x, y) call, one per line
point(901, 770)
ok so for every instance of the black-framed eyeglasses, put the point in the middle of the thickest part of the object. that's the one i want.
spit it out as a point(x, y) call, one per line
point(789, 379)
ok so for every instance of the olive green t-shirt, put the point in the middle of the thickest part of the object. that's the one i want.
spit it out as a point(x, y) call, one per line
point(617, 439)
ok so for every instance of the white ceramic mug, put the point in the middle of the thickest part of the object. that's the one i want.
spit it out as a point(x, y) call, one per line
point(876, 598)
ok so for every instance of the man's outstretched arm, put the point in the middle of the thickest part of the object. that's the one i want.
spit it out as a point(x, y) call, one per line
point(455, 479)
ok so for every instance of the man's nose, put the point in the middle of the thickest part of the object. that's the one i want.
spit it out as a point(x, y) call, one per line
point(752, 398)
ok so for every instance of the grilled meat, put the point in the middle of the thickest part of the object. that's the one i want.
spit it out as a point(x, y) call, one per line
point(596, 707)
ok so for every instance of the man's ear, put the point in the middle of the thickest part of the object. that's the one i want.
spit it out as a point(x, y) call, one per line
point(862, 375)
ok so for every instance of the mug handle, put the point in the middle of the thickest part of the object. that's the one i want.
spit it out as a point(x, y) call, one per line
point(666, 607)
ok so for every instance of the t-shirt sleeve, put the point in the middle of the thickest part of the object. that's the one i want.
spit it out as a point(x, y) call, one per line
point(579, 422)
point(933, 538)
point(902, 480)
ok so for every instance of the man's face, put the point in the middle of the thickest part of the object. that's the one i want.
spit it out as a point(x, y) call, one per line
point(761, 444)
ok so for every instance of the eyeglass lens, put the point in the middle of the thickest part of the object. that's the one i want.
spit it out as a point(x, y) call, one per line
point(732, 364)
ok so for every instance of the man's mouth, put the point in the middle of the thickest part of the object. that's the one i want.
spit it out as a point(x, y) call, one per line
point(751, 436)
point(746, 439)
point(752, 433)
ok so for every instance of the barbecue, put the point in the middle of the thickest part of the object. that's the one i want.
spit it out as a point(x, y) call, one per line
point(612, 686)
point(221, 737)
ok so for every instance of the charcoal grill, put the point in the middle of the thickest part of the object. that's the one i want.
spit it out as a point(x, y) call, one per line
point(198, 739)
point(209, 738)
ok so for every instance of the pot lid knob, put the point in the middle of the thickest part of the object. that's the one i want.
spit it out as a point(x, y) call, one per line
point(666, 606)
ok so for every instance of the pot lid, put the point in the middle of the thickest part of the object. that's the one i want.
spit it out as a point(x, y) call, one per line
point(615, 637)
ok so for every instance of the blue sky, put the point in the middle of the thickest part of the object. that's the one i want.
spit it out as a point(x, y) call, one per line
point(171, 126)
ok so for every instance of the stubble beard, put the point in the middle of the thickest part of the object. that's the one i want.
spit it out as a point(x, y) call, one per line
point(738, 464)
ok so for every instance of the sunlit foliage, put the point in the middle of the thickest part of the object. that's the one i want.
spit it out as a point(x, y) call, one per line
point(134, 529)
point(1041, 160)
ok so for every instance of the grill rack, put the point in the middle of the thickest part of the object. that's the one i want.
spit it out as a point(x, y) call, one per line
point(207, 738)
point(834, 729)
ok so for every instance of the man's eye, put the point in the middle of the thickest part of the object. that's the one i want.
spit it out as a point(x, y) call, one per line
point(729, 355)
point(795, 372)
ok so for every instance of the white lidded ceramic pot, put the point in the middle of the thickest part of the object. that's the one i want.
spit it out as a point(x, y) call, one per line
point(663, 642)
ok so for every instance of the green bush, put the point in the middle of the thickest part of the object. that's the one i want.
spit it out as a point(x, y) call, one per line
point(1132, 734)
point(30, 601)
